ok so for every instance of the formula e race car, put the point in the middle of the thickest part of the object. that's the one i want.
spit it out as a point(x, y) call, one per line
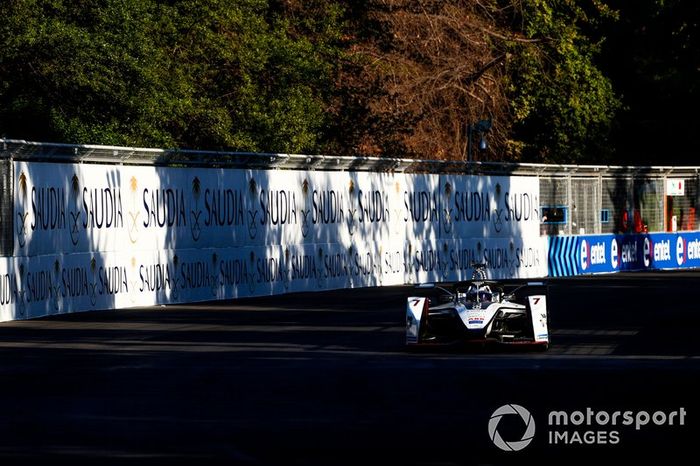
point(478, 311)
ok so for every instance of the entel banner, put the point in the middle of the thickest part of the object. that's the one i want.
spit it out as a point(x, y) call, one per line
point(102, 236)
point(588, 254)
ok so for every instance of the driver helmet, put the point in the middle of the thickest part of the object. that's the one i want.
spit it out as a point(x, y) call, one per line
point(472, 293)
point(485, 293)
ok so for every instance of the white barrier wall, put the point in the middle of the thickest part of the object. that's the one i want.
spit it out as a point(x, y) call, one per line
point(104, 236)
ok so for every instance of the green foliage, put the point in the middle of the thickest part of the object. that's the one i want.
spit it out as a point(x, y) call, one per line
point(652, 57)
point(563, 106)
point(204, 73)
point(91, 71)
point(286, 75)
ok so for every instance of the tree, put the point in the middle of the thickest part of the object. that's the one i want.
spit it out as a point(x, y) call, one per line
point(653, 57)
point(432, 68)
point(87, 72)
point(206, 73)
point(439, 65)
point(563, 105)
point(381, 77)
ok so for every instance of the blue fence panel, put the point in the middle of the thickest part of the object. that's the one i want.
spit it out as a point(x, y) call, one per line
point(588, 254)
point(672, 250)
point(562, 253)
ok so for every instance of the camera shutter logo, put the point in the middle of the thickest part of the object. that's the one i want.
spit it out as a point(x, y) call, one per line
point(527, 418)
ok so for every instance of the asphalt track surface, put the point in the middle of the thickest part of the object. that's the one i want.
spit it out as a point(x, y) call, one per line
point(323, 379)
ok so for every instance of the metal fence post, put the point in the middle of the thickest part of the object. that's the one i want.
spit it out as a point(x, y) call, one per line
point(569, 202)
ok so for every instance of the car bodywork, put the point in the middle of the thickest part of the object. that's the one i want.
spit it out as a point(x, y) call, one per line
point(478, 311)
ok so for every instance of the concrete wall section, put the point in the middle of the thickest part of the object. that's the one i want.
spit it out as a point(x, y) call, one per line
point(89, 236)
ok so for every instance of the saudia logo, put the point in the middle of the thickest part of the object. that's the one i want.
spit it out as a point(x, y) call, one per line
point(321, 207)
point(518, 207)
point(22, 214)
point(133, 214)
point(78, 208)
point(167, 207)
point(164, 207)
point(41, 208)
point(75, 213)
point(196, 213)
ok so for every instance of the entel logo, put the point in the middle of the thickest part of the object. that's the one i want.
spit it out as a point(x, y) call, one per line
point(680, 251)
point(614, 254)
point(597, 253)
point(662, 251)
point(585, 259)
point(692, 249)
point(628, 252)
point(647, 252)
point(592, 254)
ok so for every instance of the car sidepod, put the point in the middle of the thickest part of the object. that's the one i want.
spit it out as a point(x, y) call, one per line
point(416, 313)
point(538, 314)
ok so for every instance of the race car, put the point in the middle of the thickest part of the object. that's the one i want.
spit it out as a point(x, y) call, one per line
point(478, 311)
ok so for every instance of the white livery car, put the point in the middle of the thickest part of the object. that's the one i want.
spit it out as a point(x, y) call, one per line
point(478, 311)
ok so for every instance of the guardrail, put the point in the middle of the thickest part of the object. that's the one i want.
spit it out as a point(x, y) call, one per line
point(18, 149)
